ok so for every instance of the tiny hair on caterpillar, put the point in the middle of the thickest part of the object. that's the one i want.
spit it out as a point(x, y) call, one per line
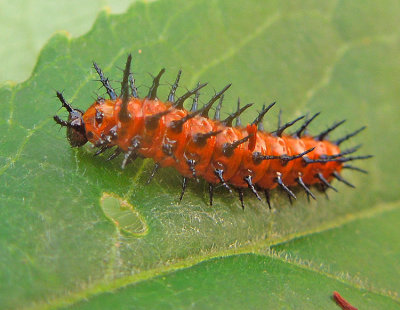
point(197, 146)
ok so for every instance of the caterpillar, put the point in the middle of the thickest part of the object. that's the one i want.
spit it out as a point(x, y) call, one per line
point(235, 157)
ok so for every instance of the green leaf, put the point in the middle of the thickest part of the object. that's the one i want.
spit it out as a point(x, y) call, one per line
point(61, 241)
point(229, 283)
point(364, 252)
point(358, 259)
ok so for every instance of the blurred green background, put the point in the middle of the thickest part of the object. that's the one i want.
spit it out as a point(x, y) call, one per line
point(26, 25)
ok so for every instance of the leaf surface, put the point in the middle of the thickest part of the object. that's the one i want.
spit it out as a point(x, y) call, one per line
point(60, 242)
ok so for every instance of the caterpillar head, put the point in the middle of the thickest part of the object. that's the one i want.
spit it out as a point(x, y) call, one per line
point(76, 133)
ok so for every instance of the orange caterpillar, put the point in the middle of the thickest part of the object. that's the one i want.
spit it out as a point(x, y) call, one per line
point(197, 146)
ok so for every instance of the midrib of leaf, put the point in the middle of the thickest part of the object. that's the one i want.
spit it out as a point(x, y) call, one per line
point(345, 278)
point(259, 248)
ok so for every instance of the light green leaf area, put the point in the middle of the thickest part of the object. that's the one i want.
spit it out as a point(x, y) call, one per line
point(123, 215)
point(61, 241)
